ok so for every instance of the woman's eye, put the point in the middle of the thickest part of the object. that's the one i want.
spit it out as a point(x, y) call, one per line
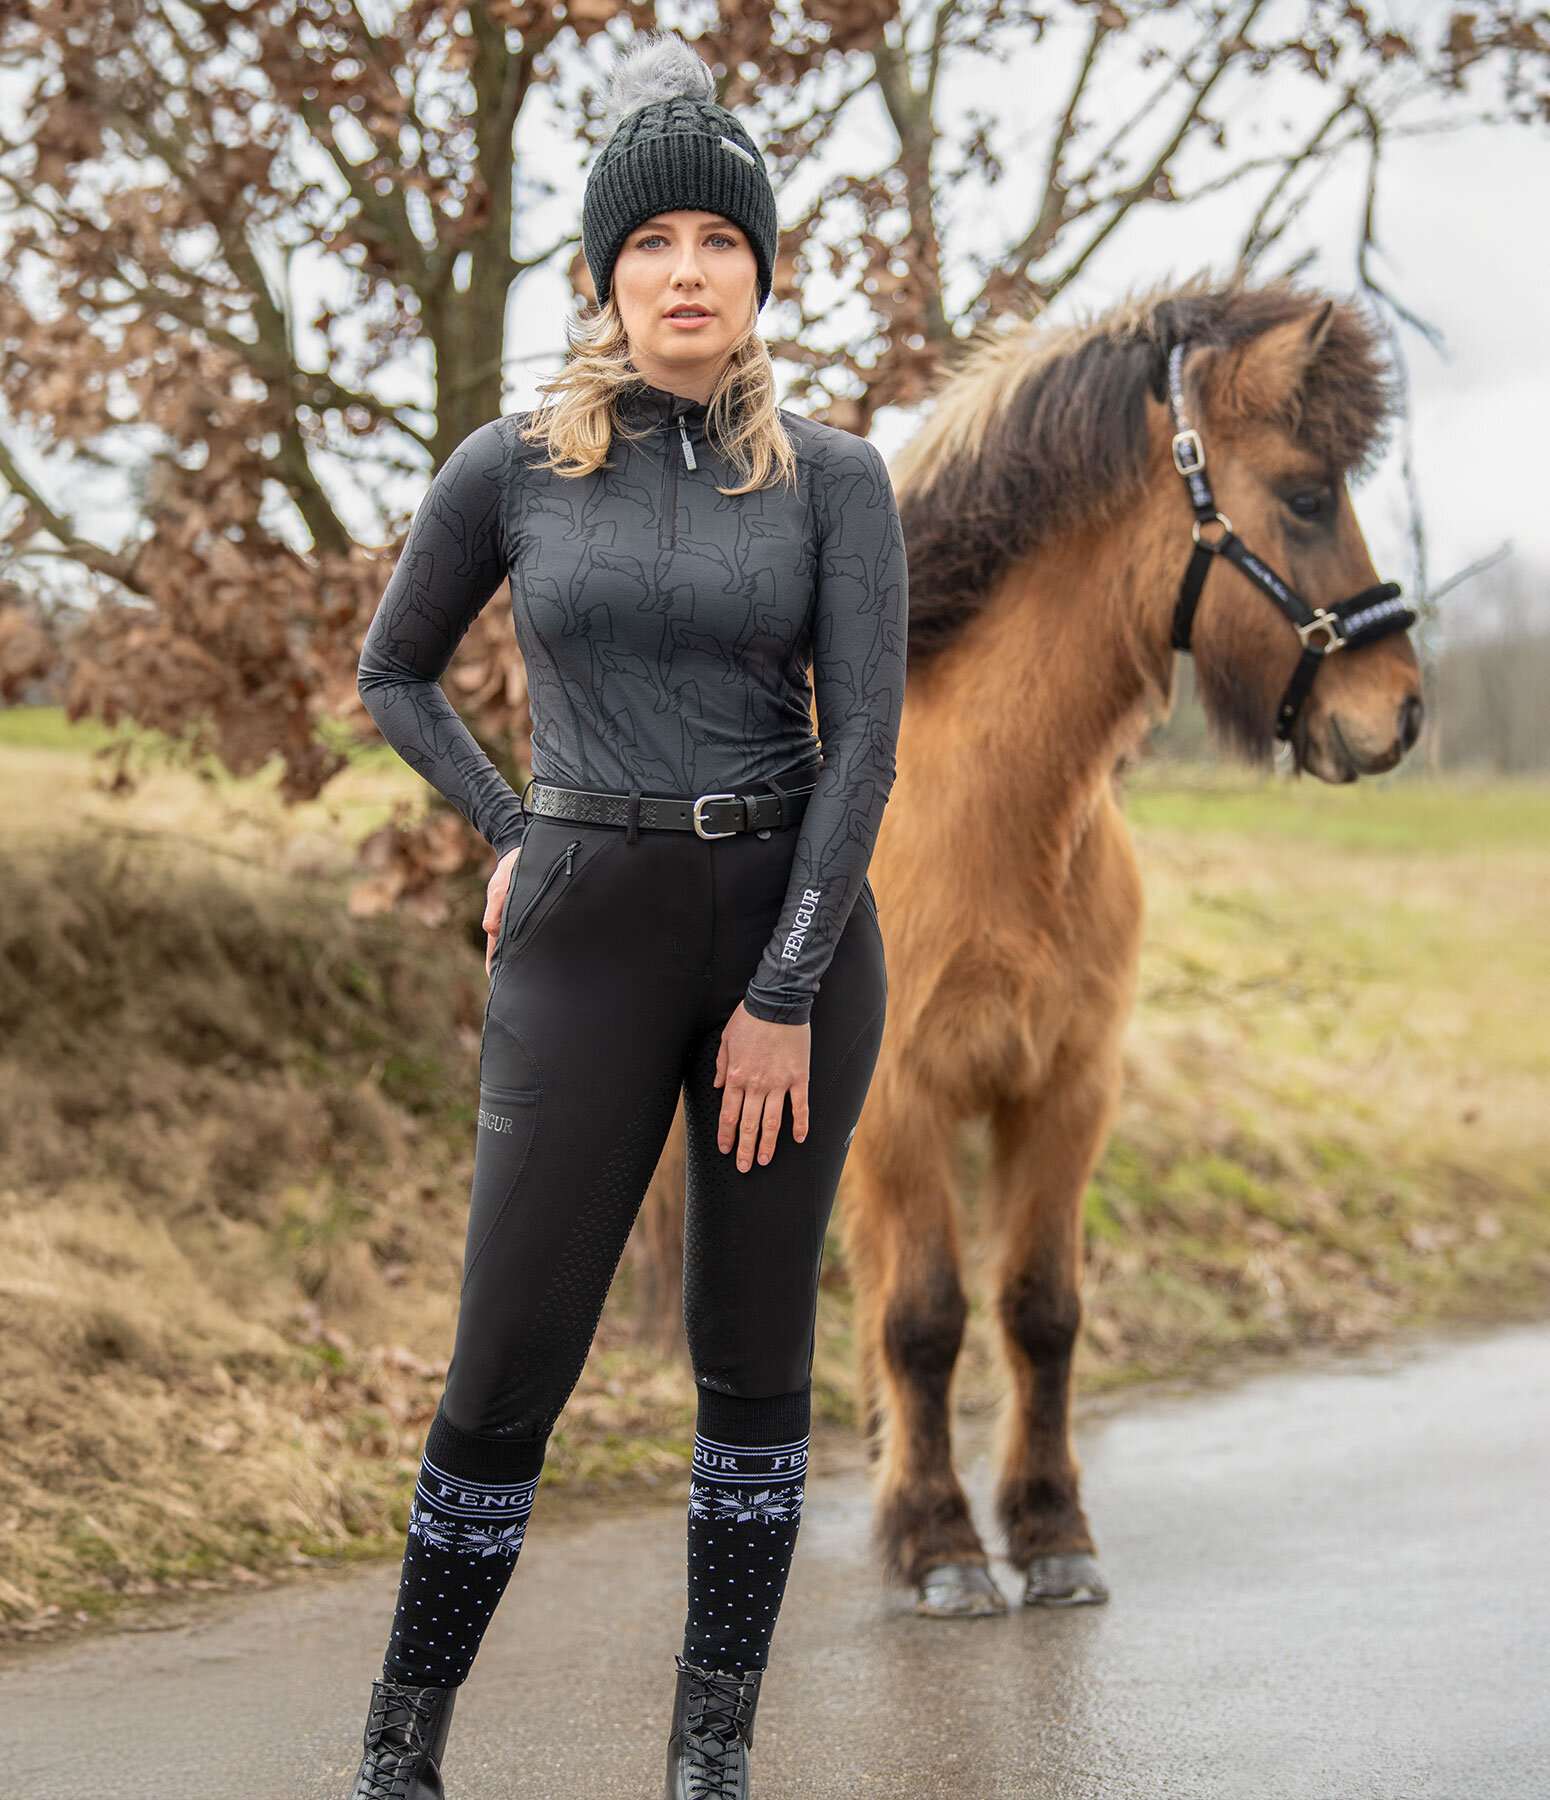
point(721, 237)
point(1307, 505)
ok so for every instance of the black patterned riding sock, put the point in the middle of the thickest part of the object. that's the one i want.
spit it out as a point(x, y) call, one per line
point(466, 1524)
point(745, 1503)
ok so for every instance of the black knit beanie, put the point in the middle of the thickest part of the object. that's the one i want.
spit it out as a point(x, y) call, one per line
point(672, 147)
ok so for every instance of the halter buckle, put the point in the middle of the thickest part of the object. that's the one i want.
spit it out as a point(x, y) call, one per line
point(1326, 622)
point(1189, 454)
point(699, 819)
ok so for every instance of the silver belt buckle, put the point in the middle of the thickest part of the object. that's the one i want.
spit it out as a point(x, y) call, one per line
point(699, 824)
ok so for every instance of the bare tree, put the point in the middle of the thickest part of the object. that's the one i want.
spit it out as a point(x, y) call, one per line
point(241, 236)
point(1195, 81)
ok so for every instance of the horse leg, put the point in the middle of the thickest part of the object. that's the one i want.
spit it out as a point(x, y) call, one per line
point(1044, 1151)
point(901, 1246)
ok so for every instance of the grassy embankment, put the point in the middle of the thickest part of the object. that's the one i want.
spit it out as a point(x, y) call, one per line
point(234, 1146)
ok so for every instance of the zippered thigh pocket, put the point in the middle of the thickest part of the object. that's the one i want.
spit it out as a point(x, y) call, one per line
point(562, 867)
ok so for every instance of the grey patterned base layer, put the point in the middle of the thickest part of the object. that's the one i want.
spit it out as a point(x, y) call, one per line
point(472, 1518)
point(733, 1484)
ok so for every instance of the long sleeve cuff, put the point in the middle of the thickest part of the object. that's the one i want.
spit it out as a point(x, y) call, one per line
point(778, 1012)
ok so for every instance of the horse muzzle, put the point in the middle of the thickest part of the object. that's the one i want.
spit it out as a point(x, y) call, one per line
point(1339, 744)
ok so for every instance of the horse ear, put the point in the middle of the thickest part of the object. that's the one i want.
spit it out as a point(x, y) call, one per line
point(1264, 378)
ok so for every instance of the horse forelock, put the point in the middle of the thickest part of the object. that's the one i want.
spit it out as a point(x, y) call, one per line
point(1043, 429)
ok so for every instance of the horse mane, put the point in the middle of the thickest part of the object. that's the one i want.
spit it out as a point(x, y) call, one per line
point(1043, 428)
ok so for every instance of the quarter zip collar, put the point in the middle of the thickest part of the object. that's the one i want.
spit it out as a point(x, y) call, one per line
point(641, 404)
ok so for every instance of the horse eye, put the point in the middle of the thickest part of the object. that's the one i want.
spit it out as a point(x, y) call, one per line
point(1307, 505)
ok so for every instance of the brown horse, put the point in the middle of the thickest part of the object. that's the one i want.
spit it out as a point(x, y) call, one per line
point(1048, 529)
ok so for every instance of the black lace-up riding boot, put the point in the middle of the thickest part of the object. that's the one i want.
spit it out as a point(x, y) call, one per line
point(406, 1733)
point(707, 1754)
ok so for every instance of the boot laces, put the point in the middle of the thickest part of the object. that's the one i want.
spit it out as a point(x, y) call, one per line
point(713, 1726)
point(398, 1732)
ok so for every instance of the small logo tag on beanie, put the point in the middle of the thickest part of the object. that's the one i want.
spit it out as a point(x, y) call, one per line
point(737, 149)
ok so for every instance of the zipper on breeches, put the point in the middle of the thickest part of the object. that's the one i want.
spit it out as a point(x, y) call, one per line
point(566, 860)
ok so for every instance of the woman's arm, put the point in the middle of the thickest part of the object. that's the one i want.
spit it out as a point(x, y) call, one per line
point(859, 624)
point(453, 560)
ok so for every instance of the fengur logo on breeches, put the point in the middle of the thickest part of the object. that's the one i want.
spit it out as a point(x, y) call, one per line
point(800, 924)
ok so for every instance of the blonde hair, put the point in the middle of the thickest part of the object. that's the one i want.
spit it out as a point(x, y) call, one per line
point(577, 421)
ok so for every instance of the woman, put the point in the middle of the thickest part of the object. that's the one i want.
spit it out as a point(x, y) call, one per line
point(681, 905)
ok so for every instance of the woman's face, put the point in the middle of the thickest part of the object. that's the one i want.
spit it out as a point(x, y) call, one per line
point(685, 284)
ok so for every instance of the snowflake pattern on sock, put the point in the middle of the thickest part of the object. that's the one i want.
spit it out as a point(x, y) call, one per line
point(474, 1518)
point(464, 1535)
point(736, 1508)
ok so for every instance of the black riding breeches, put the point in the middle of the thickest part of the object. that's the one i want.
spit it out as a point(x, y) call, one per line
point(617, 966)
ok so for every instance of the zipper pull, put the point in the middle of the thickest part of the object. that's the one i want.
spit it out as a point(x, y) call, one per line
point(683, 432)
point(570, 854)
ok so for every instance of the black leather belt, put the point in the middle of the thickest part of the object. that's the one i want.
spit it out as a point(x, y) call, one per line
point(707, 815)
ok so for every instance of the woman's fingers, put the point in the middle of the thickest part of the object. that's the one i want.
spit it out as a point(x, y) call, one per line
point(491, 921)
point(496, 890)
point(774, 1107)
point(732, 1098)
point(754, 1086)
point(753, 1118)
point(799, 1110)
point(749, 1129)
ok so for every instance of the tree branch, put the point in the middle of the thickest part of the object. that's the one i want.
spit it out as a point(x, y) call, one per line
point(1145, 188)
point(81, 550)
point(1052, 213)
point(1257, 239)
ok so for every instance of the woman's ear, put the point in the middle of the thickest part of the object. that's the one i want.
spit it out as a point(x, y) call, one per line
point(581, 281)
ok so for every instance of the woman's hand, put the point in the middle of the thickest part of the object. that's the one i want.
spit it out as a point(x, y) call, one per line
point(758, 1064)
point(495, 901)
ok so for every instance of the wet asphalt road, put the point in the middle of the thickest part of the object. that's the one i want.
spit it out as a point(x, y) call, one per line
point(1329, 1584)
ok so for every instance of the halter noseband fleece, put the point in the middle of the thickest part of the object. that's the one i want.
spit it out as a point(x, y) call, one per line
point(1368, 616)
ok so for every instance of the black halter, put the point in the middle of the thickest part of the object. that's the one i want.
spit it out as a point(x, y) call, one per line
point(1351, 623)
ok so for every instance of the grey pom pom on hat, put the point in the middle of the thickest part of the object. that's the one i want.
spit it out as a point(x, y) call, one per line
point(670, 148)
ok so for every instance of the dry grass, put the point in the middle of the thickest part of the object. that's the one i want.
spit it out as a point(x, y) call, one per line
point(235, 1144)
point(235, 1148)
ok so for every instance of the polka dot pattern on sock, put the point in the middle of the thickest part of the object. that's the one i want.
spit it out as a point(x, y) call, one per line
point(745, 1504)
point(466, 1525)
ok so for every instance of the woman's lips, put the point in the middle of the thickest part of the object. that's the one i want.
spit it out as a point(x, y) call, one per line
point(684, 320)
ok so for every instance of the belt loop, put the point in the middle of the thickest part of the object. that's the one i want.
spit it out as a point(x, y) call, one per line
point(785, 804)
point(522, 799)
point(632, 817)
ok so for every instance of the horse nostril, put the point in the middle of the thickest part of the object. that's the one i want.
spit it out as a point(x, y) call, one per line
point(1410, 712)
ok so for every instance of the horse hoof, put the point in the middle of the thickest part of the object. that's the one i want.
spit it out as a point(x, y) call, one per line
point(958, 1591)
point(1068, 1579)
